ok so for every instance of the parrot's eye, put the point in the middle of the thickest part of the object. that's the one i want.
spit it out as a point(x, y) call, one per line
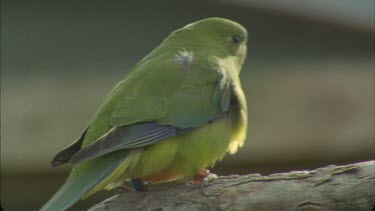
point(236, 39)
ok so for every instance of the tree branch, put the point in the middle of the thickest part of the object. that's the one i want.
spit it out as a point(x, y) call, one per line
point(349, 187)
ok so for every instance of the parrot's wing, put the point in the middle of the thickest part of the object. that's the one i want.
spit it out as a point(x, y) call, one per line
point(169, 94)
point(145, 111)
point(126, 137)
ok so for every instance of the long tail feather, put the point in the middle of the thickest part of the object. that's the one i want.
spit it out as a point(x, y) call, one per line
point(78, 184)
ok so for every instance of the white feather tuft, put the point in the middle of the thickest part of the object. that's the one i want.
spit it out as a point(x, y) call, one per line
point(185, 59)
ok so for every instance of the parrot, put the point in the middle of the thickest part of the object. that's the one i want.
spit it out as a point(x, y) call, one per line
point(177, 111)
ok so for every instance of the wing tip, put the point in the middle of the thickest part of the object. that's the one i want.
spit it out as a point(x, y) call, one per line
point(53, 163)
point(57, 161)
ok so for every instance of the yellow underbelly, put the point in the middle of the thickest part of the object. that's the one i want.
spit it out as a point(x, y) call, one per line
point(182, 156)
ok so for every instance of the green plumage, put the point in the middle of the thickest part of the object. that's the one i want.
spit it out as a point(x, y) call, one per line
point(179, 110)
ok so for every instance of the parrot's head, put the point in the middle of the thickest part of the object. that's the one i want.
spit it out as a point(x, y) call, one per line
point(219, 36)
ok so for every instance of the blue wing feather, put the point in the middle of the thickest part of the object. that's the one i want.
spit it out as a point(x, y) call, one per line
point(125, 137)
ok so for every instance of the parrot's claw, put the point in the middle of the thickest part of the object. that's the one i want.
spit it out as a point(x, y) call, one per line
point(203, 179)
point(209, 179)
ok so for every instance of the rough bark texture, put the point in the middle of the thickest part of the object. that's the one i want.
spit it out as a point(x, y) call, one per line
point(349, 187)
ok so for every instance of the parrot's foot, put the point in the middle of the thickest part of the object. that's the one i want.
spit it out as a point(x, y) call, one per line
point(208, 180)
point(203, 178)
point(138, 185)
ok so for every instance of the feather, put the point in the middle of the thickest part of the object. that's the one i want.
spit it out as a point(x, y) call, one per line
point(64, 155)
point(125, 137)
point(77, 186)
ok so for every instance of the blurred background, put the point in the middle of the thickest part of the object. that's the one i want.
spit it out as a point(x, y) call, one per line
point(309, 81)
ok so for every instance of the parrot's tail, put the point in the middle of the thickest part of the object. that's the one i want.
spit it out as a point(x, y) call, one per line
point(76, 186)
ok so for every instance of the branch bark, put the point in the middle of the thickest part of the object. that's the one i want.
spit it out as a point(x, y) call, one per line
point(349, 187)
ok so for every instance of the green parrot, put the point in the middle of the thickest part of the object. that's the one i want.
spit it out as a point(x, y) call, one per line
point(177, 112)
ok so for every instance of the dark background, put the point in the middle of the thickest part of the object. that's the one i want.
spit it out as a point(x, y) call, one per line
point(309, 81)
